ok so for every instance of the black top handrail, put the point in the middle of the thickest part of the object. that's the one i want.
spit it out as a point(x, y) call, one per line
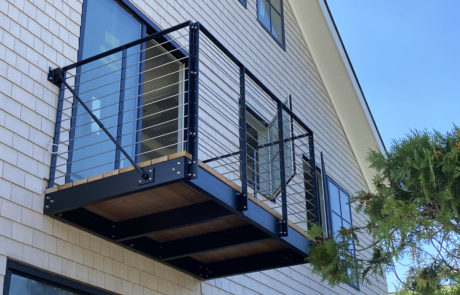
point(128, 45)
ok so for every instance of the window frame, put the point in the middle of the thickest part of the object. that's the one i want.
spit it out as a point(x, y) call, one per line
point(329, 213)
point(274, 193)
point(26, 271)
point(282, 42)
point(322, 196)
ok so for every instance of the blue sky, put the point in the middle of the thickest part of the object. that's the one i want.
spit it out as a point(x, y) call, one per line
point(406, 55)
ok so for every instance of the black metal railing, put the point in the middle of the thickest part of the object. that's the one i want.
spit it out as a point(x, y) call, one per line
point(182, 90)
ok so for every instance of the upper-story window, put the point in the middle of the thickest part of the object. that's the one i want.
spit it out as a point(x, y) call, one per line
point(270, 15)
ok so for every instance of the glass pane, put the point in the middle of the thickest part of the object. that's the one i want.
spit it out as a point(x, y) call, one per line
point(108, 25)
point(277, 26)
point(277, 5)
point(258, 156)
point(263, 13)
point(25, 286)
point(162, 103)
point(336, 223)
point(345, 206)
point(334, 199)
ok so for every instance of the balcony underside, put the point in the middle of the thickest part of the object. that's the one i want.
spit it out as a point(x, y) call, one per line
point(190, 224)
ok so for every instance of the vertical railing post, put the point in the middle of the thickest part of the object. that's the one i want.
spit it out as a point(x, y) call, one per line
point(243, 197)
point(282, 228)
point(121, 103)
point(140, 98)
point(314, 183)
point(57, 127)
point(254, 168)
point(193, 62)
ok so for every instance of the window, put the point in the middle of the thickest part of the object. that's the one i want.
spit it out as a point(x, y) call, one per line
point(25, 280)
point(263, 154)
point(244, 2)
point(270, 15)
point(340, 216)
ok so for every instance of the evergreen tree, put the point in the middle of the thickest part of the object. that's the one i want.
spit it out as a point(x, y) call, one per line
point(413, 213)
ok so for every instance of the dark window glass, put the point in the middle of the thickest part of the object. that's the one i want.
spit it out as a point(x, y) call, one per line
point(263, 13)
point(345, 206)
point(21, 279)
point(243, 2)
point(334, 198)
point(270, 15)
point(24, 286)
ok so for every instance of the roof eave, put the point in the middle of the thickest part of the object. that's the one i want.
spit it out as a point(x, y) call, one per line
point(336, 71)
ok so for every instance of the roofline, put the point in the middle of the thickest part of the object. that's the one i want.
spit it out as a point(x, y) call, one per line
point(354, 73)
point(339, 78)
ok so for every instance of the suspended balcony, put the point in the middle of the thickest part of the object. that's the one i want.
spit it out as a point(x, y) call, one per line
point(171, 147)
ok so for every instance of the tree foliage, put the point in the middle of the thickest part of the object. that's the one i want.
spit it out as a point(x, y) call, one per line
point(413, 213)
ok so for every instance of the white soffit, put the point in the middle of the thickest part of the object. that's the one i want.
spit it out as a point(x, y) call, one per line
point(340, 81)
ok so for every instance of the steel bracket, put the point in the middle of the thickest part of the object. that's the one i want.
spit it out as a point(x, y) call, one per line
point(148, 176)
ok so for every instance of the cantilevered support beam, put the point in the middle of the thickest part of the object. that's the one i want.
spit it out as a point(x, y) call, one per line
point(89, 220)
point(167, 220)
point(226, 196)
point(257, 262)
point(212, 241)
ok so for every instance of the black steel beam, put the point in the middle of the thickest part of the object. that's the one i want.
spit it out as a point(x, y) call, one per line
point(256, 262)
point(190, 265)
point(167, 220)
point(212, 241)
point(145, 246)
point(89, 220)
point(113, 186)
point(224, 195)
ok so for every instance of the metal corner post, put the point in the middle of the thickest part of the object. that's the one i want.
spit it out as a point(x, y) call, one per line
point(283, 225)
point(192, 138)
point(57, 77)
point(243, 197)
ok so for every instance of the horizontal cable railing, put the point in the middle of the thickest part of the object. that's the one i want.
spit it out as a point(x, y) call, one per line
point(253, 138)
point(182, 90)
point(122, 107)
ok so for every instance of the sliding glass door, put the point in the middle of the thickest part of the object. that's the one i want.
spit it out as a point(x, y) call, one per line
point(137, 94)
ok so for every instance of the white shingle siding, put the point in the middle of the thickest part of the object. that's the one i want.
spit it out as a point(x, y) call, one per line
point(39, 34)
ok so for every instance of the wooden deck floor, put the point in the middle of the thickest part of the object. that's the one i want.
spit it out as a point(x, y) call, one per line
point(169, 197)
